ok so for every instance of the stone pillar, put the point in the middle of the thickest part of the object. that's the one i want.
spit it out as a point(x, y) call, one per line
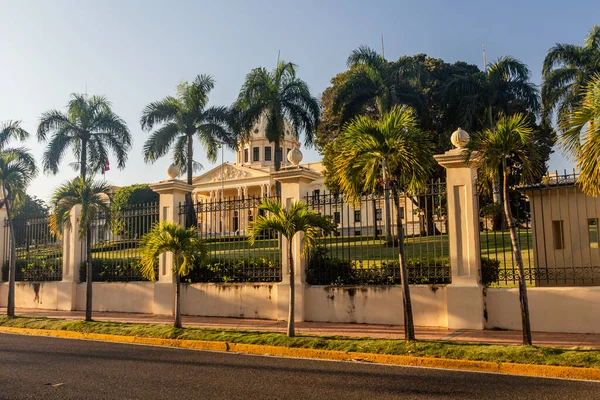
point(172, 194)
point(73, 256)
point(295, 183)
point(465, 294)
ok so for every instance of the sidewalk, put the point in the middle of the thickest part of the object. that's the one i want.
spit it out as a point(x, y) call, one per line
point(334, 329)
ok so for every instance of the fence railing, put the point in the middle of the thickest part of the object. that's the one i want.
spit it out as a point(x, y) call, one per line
point(364, 250)
point(224, 225)
point(557, 228)
point(39, 252)
point(115, 240)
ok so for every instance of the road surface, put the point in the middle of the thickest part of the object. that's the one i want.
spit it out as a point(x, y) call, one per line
point(51, 368)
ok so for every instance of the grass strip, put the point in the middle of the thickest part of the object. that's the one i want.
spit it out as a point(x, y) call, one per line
point(578, 357)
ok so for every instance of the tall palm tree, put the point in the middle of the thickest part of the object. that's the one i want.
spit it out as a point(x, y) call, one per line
point(511, 139)
point(278, 95)
point(17, 169)
point(90, 129)
point(181, 118)
point(567, 70)
point(392, 151)
point(92, 197)
point(187, 250)
point(581, 136)
point(298, 217)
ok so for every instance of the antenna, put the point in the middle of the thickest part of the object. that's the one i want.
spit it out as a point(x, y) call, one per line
point(484, 59)
point(382, 48)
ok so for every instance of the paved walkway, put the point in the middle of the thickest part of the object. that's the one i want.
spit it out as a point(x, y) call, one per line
point(336, 329)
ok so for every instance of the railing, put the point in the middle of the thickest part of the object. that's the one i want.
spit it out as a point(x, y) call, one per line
point(224, 225)
point(557, 228)
point(364, 250)
point(39, 252)
point(115, 240)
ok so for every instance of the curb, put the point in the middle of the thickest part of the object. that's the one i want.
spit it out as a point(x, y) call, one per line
point(547, 371)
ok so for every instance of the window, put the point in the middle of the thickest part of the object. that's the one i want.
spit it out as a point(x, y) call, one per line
point(357, 233)
point(356, 215)
point(336, 217)
point(245, 155)
point(558, 235)
point(316, 194)
point(268, 153)
point(593, 232)
point(255, 154)
point(401, 212)
point(378, 214)
point(278, 154)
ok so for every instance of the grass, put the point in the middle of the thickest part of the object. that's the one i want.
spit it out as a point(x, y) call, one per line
point(436, 349)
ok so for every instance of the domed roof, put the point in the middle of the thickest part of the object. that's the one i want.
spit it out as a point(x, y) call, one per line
point(259, 129)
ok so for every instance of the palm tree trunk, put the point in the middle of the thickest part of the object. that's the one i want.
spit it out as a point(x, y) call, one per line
point(10, 308)
point(386, 199)
point(519, 260)
point(83, 160)
point(89, 273)
point(409, 326)
point(177, 300)
point(278, 167)
point(190, 215)
point(291, 311)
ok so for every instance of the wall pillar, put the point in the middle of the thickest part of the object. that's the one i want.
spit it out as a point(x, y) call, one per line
point(172, 194)
point(73, 249)
point(295, 183)
point(465, 294)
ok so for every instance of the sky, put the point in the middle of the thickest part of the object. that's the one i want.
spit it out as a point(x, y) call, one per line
point(135, 52)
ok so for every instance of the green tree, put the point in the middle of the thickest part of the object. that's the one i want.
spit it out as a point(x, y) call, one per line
point(297, 218)
point(392, 152)
point(17, 169)
point(92, 198)
point(581, 136)
point(90, 129)
point(124, 199)
point(493, 149)
point(278, 95)
point(185, 246)
point(566, 72)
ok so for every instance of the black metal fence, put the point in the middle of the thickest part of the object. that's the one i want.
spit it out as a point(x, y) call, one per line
point(224, 225)
point(557, 228)
point(364, 250)
point(39, 252)
point(115, 239)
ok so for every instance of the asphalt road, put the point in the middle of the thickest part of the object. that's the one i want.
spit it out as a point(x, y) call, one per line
point(51, 368)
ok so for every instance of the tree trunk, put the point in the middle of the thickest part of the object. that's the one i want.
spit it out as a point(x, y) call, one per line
point(409, 327)
point(190, 214)
point(386, 198)
point(291, 314)
point(519, 260)
point(375, 234)
point(278, 167)
point(89, 273)
point(12, 265)
point(83, 160)
point(177, 300)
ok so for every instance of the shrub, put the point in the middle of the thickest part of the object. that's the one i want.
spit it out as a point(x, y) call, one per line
point(113, 270)
point(490, 271)
point(236, 270)
point(35, 270)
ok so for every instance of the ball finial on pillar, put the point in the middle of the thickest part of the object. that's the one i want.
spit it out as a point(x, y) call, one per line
point(459, 138)
point(173, 171)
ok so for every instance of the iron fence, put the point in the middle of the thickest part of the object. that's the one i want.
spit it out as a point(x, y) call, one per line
point(38, 250)
point(365, 250)
point(557, 228)
point(224, 225)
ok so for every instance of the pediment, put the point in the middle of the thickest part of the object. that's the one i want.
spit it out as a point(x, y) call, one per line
point(228, 172)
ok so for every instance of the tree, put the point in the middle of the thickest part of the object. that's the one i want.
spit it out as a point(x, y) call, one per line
point(125, 198)
point(185, 246)
point(17, 169)
point(511, 139)
point(90, 129)
point(297, 218)
point(92, 197)
point(182, 118)
point(278, 96)
point(581, 136)
point(392, 152)
point(566, 72)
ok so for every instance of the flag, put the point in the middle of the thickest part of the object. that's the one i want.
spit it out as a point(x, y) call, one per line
point(106, 164)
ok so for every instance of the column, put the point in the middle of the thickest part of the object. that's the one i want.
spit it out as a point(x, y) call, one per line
point(465, 294)
point(73, 247)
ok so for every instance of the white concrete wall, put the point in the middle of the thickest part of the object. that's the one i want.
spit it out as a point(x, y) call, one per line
point(42, 295)
point(376, 304)
point(558, 309)
point(135, 297)
point(248, 300)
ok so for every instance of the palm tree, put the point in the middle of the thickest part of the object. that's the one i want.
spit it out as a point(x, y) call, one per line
point(392, 151)
point(298, 217)
point(567, 70)
point(90, 129)
point(182, 118)
point(187, 250)
point(277, 96)
point(581, 136)
point(17, 169)
point(511, 139)
point(92, 197)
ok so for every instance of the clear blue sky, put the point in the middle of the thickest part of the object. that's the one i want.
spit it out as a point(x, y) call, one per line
point(135, 52)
